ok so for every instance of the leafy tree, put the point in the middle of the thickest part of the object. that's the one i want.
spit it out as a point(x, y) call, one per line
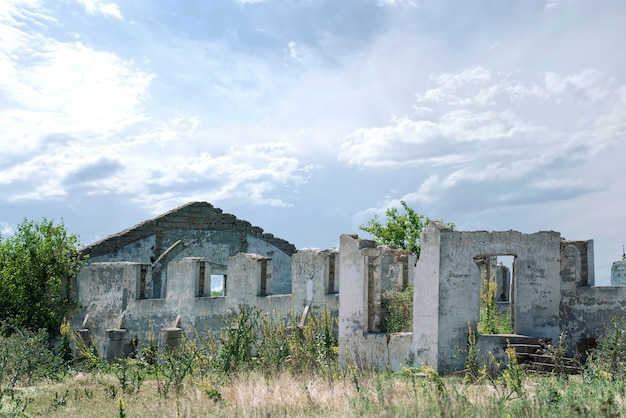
point(37, 265)
point(400, 229)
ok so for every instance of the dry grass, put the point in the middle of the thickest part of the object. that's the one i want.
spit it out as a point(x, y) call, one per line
point(250, 395)
point(345, 394)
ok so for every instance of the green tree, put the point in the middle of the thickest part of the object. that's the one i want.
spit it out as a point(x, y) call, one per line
point(37, 264)
point(400, 229)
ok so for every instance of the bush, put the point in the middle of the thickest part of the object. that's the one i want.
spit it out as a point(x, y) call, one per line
point(238, 339)
point(37, 265)
point(25, 358)
point(397, 307)
point(608, 360)
point(491, 321)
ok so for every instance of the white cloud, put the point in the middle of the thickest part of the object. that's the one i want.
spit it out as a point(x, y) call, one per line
point(250, 1)
point(6, 229)
point(99, 6)
point(553, 4)
point(447, 84)
point(425, 142)
point(589, 85)
point(396, 3)
point(509, 116)
point(51, 86)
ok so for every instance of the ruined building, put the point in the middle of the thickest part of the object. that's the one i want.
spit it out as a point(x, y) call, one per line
point(159, 275)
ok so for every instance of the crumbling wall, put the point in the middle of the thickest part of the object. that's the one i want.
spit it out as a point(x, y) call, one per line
point(618, 273)
point(316, 279)
point(206, 232)
point(585, 309)
point(367, 270)
point(448, 282)
point(113, 311)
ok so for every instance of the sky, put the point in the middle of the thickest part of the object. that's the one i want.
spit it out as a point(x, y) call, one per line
point(308, 117)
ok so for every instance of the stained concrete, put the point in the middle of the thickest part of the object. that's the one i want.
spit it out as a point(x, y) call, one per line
point(156, 277)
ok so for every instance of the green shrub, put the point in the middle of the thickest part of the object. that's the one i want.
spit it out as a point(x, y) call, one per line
point(608, 360)
point(37, 265)
point(238, 340)
point(25, 359)
point(314, 347)
point(397, 308)
point(491, 321)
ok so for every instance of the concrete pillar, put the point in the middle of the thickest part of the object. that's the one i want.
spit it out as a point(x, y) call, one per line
point(115, 341)
point(618, 273)
point(170, 337)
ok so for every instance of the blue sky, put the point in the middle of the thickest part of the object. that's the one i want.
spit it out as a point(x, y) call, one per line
point(308, 117)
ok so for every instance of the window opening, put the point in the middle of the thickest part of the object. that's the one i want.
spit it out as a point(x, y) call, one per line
point(218, 285)
point(143, 277)
point(331, 273)
point(263, 284)
point(202, 280)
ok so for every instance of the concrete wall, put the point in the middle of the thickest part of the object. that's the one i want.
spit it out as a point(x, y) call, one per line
point(366, 271)
point(204, 231)
point(316, 279)
point(585, 309)
point(109, 297)
point(618, 273)
point(550, 293)
point(168, 290)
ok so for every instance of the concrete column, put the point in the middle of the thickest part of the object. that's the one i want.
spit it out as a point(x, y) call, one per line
point(426, 299)
point(618, 273)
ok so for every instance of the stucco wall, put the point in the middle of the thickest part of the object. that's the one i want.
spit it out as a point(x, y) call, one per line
point(206, 232)
point(108, 294)
point(618, 273)
point(448, 262)
point(366, 271)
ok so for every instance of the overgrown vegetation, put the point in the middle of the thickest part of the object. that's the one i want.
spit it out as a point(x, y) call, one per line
point(397, 307)
point(491, 320)
point(608, 361)
point(36, 266)
point(403, 230)
point(277, 368)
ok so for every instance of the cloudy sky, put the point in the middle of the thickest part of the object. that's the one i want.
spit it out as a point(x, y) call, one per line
point(307, 117)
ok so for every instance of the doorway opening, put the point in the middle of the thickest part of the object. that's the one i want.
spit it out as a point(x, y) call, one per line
point(497, 280)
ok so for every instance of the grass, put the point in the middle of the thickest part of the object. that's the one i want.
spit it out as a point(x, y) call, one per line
point(253, 394)
point(293, 372)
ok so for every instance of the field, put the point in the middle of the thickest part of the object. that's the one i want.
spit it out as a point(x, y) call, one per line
point(346, 394)
point(259, 366)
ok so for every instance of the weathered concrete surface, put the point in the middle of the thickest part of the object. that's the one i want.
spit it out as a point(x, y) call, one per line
point(108, 293)
point(206, 232)
point(618, 273)
point(156, 277)
point(551, 292)
point(448, 274)
point(315, 278)
point(366, 271)
point(585, 310)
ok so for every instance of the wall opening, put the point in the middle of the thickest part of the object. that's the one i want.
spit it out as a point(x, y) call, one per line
point(332, 282)
point(218, 285)
point(203, 289)
point(143, 278)
point(497, 278)
point(405, 271)
point(263, 282)
point(374, 307)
